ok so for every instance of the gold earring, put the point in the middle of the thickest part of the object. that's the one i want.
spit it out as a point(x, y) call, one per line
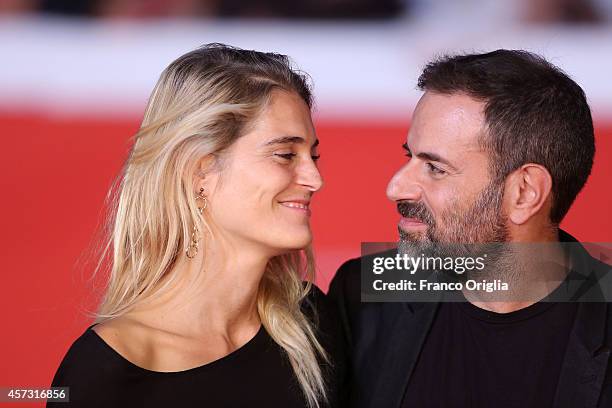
point(202, 197)
point(192, 249)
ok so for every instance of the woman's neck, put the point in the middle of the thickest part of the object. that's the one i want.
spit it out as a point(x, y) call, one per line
point(215, 292)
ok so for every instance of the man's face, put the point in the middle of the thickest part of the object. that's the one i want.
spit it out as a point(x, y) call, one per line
point(444, 192)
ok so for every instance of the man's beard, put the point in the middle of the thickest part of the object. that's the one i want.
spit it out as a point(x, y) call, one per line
point(459, 233)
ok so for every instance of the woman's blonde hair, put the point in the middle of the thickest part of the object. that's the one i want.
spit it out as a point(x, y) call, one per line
point(202, 103)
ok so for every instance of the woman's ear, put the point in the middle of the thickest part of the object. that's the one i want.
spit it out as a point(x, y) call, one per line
point(529, 190)
point(205, 177)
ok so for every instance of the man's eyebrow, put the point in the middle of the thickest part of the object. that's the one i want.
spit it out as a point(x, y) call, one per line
point(289, 139)
point(430, 156)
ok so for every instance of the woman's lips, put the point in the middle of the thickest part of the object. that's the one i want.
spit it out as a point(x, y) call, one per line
point(298, 205)
point(411, 224)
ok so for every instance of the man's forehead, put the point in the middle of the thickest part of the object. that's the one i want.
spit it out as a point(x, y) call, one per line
point(446, 122)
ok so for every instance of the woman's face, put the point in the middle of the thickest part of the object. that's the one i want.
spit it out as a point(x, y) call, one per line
point(261, 194)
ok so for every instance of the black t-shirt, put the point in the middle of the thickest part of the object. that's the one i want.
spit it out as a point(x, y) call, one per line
point(480, 359)
point(258, 374)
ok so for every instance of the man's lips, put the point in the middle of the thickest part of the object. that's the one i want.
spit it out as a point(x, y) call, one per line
point(406, 223)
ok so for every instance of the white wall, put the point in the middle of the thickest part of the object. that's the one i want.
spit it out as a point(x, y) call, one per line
point(64, 66)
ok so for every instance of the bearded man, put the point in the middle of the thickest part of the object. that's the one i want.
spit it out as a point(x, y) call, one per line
point(499, 147)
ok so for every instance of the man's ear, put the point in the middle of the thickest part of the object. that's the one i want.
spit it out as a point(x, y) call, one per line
point(528, 190)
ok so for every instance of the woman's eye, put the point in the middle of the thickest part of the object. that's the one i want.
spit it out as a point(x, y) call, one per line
point(290, 156)
point(435, 170)
point(286, 156)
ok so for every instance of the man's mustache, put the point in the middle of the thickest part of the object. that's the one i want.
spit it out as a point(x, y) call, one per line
point(415, 210)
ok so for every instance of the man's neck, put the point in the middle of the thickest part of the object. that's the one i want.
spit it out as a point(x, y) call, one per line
point(501, 307)
point(533, 267)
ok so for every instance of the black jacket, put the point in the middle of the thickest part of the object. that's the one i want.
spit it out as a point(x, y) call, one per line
point(384, 340)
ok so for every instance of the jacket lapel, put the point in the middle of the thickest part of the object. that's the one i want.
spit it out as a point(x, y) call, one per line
point(402, 345)
point(587, 355)
point(586, 359)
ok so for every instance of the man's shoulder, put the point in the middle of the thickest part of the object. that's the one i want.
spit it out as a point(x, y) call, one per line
point(315, 304)
point(589, 268)
point(348, 276)
point(345, 289)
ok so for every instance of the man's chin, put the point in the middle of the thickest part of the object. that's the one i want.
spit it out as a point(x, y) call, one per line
point(415, 246)
point(413, 237)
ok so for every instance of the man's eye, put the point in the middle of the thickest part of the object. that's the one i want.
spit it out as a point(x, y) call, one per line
point(435, 170)
point(286, 156)
point(315, 157)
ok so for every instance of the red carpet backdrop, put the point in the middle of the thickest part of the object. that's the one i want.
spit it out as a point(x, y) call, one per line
point(72, 94)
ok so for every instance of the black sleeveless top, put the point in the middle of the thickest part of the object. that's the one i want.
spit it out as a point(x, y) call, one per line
point(258, 374)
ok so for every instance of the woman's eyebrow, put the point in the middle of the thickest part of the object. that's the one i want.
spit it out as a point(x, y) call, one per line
point(289, 139)
point(285, 140)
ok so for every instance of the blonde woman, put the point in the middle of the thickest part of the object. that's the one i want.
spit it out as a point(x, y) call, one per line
point(206, 304)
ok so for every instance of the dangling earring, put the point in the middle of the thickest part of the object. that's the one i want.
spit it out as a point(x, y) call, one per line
point(192, 249)
point(202, 197)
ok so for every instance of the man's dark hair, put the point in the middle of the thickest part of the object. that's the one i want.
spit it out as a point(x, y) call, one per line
point(534, 113)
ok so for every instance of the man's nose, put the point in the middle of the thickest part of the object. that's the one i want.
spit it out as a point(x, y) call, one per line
point(404, 186)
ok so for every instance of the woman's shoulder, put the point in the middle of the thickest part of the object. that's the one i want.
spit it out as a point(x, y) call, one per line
point(116, 342)
point(88, 368)
point(88, 354)
point(127, 339)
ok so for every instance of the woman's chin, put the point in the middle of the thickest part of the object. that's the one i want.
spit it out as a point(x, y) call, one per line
point(293, 243)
